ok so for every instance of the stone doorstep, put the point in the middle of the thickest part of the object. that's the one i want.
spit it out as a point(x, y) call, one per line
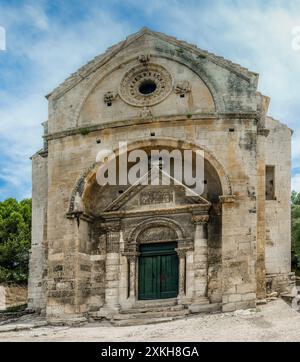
point(140, 316)
point(135, 312)
point(150, 319)
point(151, 314)
point(157, 312)
point(156, 303)
point(151, 309)
point(136, 322)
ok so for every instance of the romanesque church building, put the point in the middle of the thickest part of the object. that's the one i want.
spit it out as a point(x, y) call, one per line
point(135, 252)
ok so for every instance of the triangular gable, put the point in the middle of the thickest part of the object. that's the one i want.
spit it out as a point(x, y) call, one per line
point(138, 187)
point(100, 60)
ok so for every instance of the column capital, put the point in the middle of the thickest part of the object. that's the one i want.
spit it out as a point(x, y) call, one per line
point(131, 256)
point(111, 225)
point(181, 252)
point(112, 229)
point(200, 219)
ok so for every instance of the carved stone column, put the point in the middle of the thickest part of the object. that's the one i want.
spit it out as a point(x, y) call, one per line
point(132, 259)
point(200, 259)
point(182, 274)
point(111, 305)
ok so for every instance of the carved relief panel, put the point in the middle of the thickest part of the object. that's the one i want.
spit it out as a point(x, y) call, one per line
point(159, 233)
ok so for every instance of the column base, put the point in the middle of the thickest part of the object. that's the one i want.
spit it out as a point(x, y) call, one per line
point(200, 301)
point(128, 303)
point(108, 311)
point(183, 299)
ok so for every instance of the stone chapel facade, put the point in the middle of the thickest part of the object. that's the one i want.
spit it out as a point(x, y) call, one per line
point(104, 251)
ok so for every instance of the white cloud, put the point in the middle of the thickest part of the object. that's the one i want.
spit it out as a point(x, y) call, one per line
point(36, 15)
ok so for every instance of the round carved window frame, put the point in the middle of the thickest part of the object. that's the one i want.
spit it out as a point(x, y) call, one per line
point(130, 84)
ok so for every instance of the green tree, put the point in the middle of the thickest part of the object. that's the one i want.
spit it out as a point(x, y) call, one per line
point(295, 198)
point(296, 231)
point(15, 235)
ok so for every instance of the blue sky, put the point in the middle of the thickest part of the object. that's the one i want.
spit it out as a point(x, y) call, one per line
point(48, 40)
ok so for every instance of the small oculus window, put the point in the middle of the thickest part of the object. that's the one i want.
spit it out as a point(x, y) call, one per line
point(148, 86)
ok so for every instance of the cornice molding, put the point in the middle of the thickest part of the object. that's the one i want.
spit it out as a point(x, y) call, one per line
point(148, 120)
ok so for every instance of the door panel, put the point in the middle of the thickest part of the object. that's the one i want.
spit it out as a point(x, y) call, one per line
point(158, 271)
point(169, 276)
point(148, 281)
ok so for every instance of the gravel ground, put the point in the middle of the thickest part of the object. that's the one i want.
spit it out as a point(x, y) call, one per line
point(275, 321)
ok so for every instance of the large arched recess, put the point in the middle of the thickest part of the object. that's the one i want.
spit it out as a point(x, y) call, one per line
point(94, 199)
point(86, 184)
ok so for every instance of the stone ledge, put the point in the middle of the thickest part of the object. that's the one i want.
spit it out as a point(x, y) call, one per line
point(142, 121)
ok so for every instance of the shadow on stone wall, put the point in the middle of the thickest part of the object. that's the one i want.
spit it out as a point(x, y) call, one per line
point(12, 296)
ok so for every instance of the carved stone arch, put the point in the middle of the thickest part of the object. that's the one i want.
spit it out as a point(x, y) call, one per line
point(218, 101)
point(79, 187)
point(89, 175)
point(156, 222)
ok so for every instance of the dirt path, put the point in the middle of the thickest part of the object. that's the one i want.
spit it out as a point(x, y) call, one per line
point(275, 321)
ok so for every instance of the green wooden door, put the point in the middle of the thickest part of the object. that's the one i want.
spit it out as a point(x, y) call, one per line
point(158, 271)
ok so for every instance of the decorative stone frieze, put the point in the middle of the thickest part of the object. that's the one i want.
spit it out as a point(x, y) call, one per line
point(200, 219)
point(156, 197)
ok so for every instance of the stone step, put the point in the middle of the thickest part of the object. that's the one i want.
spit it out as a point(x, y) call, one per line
point(152, 309)
point(143, 321)
point(151, 315)
point(137, 322)
point(156, 303)
point(288, 296)
point(205, 308)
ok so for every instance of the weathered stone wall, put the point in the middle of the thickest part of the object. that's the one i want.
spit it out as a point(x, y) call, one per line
point(12, 296)
point(70, 156)
point(278, 211)
point(38, 266)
